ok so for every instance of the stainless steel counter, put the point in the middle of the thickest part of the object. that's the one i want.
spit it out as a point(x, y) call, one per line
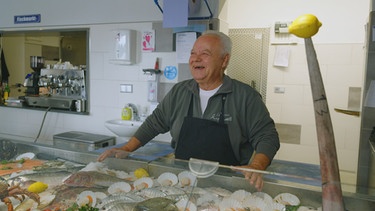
point(308, 194)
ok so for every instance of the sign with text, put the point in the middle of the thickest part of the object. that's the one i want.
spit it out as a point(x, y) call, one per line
point(22, 19)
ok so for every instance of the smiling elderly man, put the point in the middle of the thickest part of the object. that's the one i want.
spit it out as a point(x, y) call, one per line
point(212, 116)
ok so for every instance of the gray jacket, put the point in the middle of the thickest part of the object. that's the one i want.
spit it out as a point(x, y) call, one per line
point(249, 123)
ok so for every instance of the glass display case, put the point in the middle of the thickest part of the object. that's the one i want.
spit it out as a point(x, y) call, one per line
point(221, 181)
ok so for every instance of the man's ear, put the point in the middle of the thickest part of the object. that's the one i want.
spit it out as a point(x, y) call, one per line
point(226, 61)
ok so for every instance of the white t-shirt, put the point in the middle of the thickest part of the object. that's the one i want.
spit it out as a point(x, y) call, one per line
point(205, 95)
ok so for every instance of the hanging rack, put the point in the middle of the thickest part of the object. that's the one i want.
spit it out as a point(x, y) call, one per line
point(191, 18)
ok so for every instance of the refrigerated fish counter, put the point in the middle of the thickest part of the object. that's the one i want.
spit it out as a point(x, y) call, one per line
point(41, 177)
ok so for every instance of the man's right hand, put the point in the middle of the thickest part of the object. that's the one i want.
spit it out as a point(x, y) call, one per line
point(122, 152)
point(114, 152)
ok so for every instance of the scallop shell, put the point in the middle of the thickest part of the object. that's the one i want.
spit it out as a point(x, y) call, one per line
point(26, 156)
point(100, 195)
point(275, 206)
point(265, 196)
point(144, 182)
point(287, 199)
point(119, 187)
point(208, 200)
point(255, 203)
point(240, 195)
point(209, 207)
point(122, 174)
point(221, 192)
point(185, 204)
point(187, 178)
point(167, 179)
point(86, 197)
point(230, 204)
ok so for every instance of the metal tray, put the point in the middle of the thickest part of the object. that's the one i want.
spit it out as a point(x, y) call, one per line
point(81, 141)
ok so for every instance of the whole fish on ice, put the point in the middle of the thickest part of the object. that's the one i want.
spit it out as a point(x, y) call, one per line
point(50, 178)
point(91, 179)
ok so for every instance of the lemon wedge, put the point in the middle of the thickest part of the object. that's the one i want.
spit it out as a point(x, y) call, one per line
point(37, 187)
point(305, 26)
point(141, 172)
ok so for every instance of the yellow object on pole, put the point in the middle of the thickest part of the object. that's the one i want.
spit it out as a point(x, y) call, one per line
point(305, 26)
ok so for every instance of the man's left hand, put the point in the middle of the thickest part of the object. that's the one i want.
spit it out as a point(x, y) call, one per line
point(259, 162)
point(254, 178)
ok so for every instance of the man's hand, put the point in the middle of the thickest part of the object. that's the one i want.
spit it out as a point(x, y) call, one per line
point(114, 152)
point(122, 152)
point(255, 179)
point(259, 162)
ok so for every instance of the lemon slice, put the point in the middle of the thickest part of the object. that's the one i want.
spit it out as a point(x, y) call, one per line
point(37, 187)
point(141, 172)
point(305, 26)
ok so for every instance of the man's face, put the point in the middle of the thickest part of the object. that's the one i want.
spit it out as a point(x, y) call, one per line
point(207, 63)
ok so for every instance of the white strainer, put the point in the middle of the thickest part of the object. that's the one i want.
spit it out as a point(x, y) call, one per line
point(203, 168)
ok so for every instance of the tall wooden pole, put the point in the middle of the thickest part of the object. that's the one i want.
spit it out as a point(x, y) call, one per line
point(331, 186)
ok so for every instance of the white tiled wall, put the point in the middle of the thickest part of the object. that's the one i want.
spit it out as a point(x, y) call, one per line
point(342, 66)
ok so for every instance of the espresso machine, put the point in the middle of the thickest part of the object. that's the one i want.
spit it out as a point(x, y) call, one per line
point(32, 80)
point(60, 88)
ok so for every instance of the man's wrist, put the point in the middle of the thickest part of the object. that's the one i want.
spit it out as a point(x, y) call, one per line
point(131, 145)
point(125, 148)
point(260, 162)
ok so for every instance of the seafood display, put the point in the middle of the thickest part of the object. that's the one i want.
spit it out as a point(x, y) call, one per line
point(16, 192)
point(66, 196)
point(15, 166)
point(74, 181)
point(99, 187)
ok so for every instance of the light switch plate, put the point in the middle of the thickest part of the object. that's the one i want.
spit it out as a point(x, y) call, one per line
point(279, 89)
